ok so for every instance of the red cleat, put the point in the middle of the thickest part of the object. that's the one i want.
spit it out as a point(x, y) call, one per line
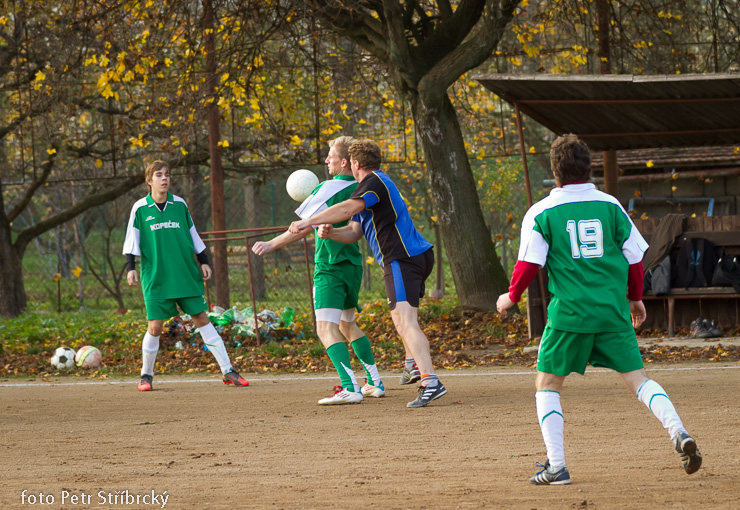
point(146, 383)
point(233, 377)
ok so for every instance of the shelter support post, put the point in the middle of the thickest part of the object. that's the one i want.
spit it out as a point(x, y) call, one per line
point(523, 152)
point(611, 173)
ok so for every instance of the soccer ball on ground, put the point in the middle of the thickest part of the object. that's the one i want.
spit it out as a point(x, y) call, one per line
point(88, 357)
point(300, 184)
point(63, 359)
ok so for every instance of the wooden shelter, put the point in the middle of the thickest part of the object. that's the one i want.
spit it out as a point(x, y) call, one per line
point(624, 112)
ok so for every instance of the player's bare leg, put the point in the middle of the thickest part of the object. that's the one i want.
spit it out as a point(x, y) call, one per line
point(406, 319)
point(656, 399)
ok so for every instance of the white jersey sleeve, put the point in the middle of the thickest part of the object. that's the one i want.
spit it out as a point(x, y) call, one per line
point(635, 246)
point(131, 243)
point(532, 245)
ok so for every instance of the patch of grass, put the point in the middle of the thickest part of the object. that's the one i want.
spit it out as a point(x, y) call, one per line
point(316, 350)
point(275, 349)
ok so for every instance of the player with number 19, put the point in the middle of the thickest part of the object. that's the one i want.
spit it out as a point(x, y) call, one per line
point(593, 255)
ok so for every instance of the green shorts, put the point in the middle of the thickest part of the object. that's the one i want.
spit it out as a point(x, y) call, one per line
point(336, 286)
point(563, 352)
point(163, 309)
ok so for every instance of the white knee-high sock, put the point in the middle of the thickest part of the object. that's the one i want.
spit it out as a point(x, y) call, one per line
point(216, 345)
point(550, 416)
point(655, 398)
point(149, 348)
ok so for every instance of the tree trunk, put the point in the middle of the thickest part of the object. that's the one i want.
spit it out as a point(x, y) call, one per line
point(218, 214)
point(12, 291)
point(476, 270)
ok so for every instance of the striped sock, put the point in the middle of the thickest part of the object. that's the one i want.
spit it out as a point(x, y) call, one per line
point(429, 380)
point(550, 416)
point(655, 398)
point(409, 363)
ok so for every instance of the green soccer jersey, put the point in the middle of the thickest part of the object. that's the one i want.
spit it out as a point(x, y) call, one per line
point(587, 242)
point(167, 243)
point(324, 196)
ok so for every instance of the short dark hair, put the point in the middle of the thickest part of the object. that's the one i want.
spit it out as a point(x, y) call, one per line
point(570, 160)
point(341, 146)
point(367, 153)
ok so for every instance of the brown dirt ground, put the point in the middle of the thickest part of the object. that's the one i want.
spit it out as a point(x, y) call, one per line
point(271, 446)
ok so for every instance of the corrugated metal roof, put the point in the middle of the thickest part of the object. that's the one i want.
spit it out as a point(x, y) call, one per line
point(626, 111)
point(673, 157)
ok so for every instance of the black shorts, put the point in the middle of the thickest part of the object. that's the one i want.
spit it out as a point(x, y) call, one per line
point(404, 278)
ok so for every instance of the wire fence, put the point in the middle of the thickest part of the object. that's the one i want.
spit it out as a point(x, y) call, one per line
point(79, 265)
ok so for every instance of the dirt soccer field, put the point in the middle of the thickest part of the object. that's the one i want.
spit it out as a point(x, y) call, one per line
point(195, 443)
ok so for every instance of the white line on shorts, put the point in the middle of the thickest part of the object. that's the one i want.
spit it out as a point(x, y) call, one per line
point(174, 380)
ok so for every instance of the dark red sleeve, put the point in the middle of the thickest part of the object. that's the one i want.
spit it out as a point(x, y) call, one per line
point(524, 273)
point(635, 276)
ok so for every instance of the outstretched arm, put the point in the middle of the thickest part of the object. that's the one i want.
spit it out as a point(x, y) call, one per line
point(348, 235)
point(284, 239)
point(334, 214)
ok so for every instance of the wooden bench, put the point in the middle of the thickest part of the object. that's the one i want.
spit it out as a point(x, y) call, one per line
point(724, 233)
point(695, 293)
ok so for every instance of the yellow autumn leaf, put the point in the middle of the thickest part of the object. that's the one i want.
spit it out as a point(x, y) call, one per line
point(77, 271)
point(673, 188)
point(184, 152)
point(531, 150)
point(650, 164)
point(643, 216)
point(98, 163)
point(223, 143)
point(370, 261)
point(57, 277)
point(40, 76)
point(51, 151)
point(295, 140)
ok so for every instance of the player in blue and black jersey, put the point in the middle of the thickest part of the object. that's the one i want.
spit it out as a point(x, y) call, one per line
point(379, 212)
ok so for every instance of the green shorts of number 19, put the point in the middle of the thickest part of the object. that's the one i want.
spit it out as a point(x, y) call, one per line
point(336, 285)
point(563, 352)
point(163, 309)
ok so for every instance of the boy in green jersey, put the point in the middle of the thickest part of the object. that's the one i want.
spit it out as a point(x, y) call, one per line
point(161, 232)
point(593, 255)
point(337, 280)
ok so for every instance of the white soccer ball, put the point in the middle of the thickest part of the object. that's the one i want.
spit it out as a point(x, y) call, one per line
point(300, 184)
point(63, 359)
point(88, 357)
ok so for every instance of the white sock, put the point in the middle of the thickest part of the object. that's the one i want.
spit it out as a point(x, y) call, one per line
point(215, 344)
point(149, 348)
point(409, 363)
point(550, 416)
point(655, 398)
